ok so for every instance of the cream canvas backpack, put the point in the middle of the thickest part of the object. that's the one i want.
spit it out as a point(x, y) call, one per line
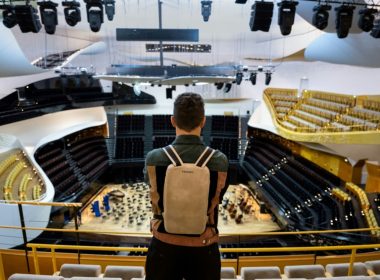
point(186, 192)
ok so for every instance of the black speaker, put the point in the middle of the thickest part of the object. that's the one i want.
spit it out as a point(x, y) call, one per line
point(27, 18)
point(261, 16)
point(169, 93)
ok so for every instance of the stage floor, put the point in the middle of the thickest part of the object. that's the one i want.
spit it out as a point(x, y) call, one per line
point(130, 212)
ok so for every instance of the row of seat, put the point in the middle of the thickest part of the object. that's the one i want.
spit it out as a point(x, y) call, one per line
point(229, 146)
point(16, 174)
point(283, 97)
point(316, 271)
point(130, 123)
point(373, 105)
point(72, 162)
point(295, 189)
point(130, 147)
point(225, 124)
point(162, 141)
point(336, 98)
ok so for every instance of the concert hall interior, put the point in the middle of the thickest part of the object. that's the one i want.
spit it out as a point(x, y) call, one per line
point(291, 98)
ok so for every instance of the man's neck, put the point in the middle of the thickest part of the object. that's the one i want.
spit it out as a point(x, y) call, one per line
point(195, 132)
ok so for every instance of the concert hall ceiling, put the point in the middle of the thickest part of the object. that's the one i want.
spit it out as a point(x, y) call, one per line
point(227, 31)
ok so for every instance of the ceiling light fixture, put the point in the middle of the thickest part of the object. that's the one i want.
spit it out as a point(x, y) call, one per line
point(321, 16)
point(227, 87)
point(72, 12)
point(239, 78)
point(9, 17)
point(375, 33)
point(27, 18)
point(261, 16)
point(286, 14)
point(206, 9)
point(268, 78)
point(252, 78)
point(366, 19)
point(343, 21)
point(110, 8)
point(95, 16)
point(49, 18)
point(219, 86)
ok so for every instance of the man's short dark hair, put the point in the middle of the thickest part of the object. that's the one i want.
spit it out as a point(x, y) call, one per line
point(189, 111)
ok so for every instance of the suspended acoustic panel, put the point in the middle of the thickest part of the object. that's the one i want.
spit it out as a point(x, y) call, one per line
point(140, 34)
point(356, 49)
point(13, 60)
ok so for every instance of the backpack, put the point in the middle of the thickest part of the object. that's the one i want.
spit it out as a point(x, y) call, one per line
point(186, 193)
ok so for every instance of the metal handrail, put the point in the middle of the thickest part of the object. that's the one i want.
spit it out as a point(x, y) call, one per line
point(53, 248)
point(270, 233)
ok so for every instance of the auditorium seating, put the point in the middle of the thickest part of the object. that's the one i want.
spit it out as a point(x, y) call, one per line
point(162, 124)
point(74, 161)
point(74, 270)
point(18, 179)
point(253, 273)
point(304, 271)
point(300, 191)
point(130, 124)
point(373, 267)
point(123, 272)
point(225, 125)
point(341, 269)
point(323, 112)
point(129, 147)
point(228, 146)
point(162, 141)
point(228, 273)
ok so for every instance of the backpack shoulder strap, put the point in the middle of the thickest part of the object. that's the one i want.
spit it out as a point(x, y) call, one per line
point(205, 157)
point(173, 155)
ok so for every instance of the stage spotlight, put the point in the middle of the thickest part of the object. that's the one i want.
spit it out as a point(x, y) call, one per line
point(219, 86)
point(27, 18)
point(366, 19)
point(239, 78)
point(9, 17)
point(261, 16)
point(49, 18)
point(95, 15)
point(343, 20)
point(110, 8)
point(227, 87)
point(321, 16)
point(253, 77)
point(206, 9)
point(268, 78)
point(72, 12)
point(169, 93)
point(375, 33)
point(286, 14)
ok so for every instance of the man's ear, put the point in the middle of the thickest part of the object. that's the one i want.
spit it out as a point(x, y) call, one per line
point(172, 120)
point(203, 122)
